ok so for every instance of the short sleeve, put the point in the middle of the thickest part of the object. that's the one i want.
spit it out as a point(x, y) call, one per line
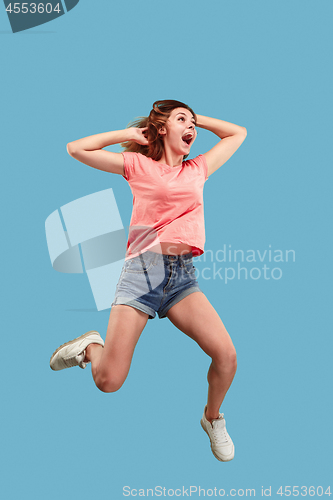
point(205, 166)
point(136, 166)
point(129, 163)
point(201, 162)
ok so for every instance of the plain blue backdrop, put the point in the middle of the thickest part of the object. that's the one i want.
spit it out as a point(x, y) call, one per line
point(263, 65)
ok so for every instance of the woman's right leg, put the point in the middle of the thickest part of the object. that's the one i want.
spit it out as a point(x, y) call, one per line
point(110, 364)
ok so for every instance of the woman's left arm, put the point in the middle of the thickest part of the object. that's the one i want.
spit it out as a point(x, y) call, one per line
point(231, 136)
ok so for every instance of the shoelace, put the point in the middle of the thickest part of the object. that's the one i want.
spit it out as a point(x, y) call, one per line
point(219, 432)
point(76, 361)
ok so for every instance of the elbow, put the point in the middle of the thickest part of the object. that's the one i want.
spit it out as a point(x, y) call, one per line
point(71, 149)
point(242, 134)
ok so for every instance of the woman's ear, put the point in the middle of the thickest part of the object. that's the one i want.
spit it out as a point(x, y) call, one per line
point(162, 131)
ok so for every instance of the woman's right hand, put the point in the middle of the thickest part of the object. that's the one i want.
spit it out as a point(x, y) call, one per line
point(89, 150)
point(140, 135)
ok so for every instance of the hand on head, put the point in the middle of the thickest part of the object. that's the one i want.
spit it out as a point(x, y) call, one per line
point(140, 135)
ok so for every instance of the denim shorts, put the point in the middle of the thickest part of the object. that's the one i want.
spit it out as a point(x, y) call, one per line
point(154, 282)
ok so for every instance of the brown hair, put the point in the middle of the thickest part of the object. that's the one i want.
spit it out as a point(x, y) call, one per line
point(155, 121)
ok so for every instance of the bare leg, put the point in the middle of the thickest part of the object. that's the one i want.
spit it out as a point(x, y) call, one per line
point(196, 317)
point(110, 364)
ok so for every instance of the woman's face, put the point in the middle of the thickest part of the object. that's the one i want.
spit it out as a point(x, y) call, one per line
point(179, 132)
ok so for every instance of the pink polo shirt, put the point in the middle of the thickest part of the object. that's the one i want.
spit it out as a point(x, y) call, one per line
point(167, 203)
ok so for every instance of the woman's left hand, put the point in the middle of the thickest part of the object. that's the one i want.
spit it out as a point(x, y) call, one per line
point(231, 136)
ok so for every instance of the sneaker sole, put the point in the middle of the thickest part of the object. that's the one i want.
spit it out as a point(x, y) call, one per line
point(72, 342)
point(218, 458)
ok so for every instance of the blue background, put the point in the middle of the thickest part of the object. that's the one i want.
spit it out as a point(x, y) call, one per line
point(264, 65)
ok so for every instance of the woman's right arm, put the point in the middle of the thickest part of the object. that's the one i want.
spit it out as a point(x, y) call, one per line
point(89, 150)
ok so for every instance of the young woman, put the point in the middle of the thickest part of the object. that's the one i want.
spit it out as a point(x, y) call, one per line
point(166, 230)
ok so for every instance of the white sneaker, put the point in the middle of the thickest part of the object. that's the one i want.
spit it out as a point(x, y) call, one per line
point(73, 353)
point(220, 441)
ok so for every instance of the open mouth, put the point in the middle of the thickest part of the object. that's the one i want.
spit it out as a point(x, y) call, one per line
point(187, 138)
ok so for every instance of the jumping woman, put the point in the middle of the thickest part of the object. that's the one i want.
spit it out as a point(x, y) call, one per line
point(166, 231)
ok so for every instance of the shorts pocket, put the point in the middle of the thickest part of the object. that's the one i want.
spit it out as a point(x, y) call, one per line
point(189, 267)
point(140, 264)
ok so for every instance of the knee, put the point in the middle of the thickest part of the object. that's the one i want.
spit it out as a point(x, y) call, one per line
point(226, 359)
point(108, 384)
point(234, 361)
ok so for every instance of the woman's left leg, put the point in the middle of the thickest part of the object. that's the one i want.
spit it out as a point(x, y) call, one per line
point(197, 318)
